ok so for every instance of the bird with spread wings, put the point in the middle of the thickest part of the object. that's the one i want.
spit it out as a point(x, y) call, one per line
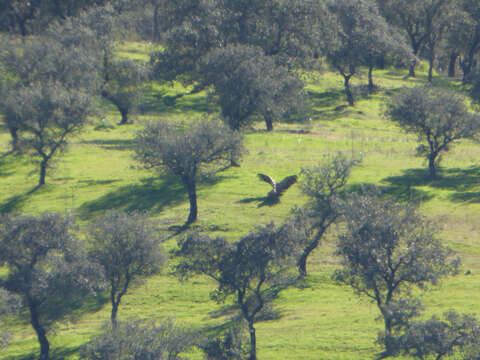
point(278, 188)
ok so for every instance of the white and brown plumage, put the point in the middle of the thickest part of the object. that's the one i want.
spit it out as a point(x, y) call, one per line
point(280, 187)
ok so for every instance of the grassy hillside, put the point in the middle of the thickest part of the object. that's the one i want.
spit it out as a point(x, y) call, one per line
point(321, 321)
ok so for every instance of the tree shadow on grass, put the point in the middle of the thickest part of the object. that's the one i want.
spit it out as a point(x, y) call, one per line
point(448, 179)
point(71, 312)
point(117, 144)
point(332, 105)
point(150, 195)
point(56, 353)
point(262, 201)
point(7, 164)
point(329, 105)
point(462, 181)
point(160, 103)
point(16, 202)
point(62, 353)
point(404, 192)
point(157, 102)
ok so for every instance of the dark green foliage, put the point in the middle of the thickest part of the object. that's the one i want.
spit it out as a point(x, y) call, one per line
point(47, 268)
point(9, 304)
point(362, 38)
point(423, 22)
point(230, 345)
point(475, 89)
point(457, 334)
point(251, 271)
point(95, 33)
point(184, 151)
point(323, 185)
point(47, 114)
point(127, 248)
point(246, 50)
point(438, 116)
point(386, 250)
point(462, 38)
point(247, 82)
point(33, 16)
point(122, 84)
point(137, 340)
point(47, 101)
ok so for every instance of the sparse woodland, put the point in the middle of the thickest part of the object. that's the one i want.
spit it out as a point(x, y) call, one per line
point(239, 179)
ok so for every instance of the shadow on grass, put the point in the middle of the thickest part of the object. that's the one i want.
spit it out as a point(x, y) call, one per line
point(160, 103)
point(97, 182)
point(151, 195)
point(118, 144)
point(157, 102)
point(7, 164)
point(61, 353)
point(61, 311)
point(262, 200)
point(332, 105)
point(64, 352)
point(232, 314)
point(462, 181)
point(16, 202)
point(449, 179)
point(404, 193)
point(329, 104)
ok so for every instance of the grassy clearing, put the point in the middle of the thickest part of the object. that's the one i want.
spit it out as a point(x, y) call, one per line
point(321, 321)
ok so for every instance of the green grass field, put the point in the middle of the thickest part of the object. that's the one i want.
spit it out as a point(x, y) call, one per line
point(320, 321)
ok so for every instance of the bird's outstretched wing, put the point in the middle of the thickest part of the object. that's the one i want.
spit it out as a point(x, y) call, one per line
point(286, 183)
point(267, 179)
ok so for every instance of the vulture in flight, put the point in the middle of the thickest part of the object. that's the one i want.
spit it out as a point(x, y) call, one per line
point(278, 188)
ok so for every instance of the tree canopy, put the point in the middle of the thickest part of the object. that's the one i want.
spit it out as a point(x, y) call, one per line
point(184, 150)
point(251, 271)
point(47, 268)
point(386, 250)
point(438, 116)
point(127, 248)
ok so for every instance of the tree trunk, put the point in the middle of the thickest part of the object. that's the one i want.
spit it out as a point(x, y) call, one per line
point(388, 336)
point(155, 30)
point(348, 91)
point(411, 69)
point(302, 261)
point(371, 85)
point(124, 113)
point(431, 167)
point(14, 133)
point(431, 61)
point(23, 30)
point(253, 341)
point(192, 196)
point(381, 62)
point(452, 64)
point(268, 122)
point(43, 172)
point(430, 71)
point(115, 304)
point(469, 63)
point(41, 334)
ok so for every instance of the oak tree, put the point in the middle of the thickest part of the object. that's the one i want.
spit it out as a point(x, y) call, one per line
point(438, 116)
point(323, 184)
point(388, 249)
point(183, 151)
point(251, 271)
point(139, 340)
point(127, 248)
point(47, 268)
